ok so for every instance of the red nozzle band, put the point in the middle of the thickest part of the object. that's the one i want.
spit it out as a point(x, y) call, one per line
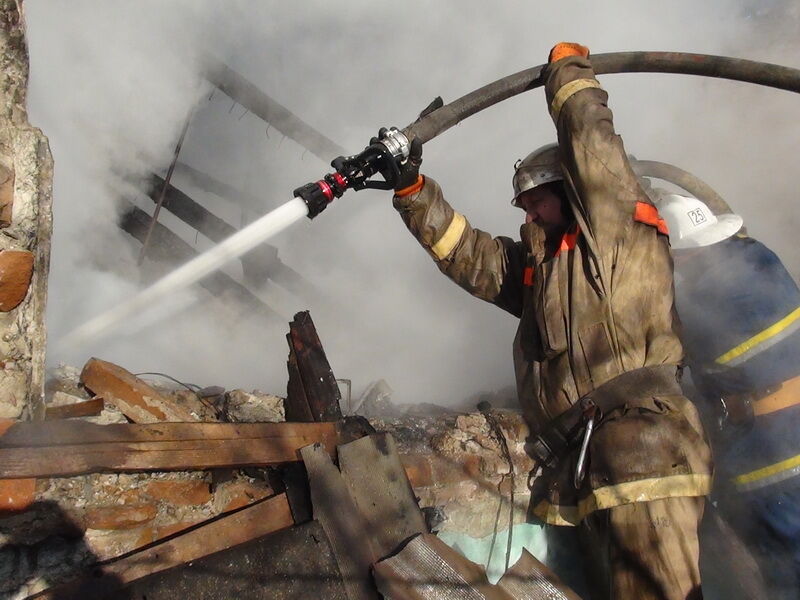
point(327, 190)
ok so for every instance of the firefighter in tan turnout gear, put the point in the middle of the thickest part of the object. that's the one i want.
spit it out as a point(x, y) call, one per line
point(622, 452)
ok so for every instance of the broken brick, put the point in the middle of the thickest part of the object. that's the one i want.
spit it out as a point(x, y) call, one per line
point(15, 494)
point(418, 469)
point(16, 271)
point(448, 470)
point(119, 517)
point(181, 493)
point(136, 399)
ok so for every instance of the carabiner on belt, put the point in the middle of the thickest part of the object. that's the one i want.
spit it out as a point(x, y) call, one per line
point(589, 414)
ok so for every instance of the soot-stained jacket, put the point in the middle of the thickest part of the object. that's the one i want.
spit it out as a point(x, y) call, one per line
point(741, 313)
point(601, 306)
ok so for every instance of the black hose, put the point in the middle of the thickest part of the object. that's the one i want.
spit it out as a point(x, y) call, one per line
point(691, 183)
point(737, 69)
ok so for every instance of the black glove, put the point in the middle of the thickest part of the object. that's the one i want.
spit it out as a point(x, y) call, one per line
point(409, 168)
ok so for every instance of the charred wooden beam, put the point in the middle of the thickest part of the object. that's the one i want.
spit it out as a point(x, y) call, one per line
point(87, 408)
point(318, 381)
point(169, 247)
point(281, 118)
point(219, 188)
point(299, 403)
point(189, 211)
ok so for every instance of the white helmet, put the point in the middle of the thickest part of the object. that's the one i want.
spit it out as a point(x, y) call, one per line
point(691, 223)
point(539, 167)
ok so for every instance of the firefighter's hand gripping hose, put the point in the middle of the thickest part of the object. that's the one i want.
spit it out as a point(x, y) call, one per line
point(389, 154)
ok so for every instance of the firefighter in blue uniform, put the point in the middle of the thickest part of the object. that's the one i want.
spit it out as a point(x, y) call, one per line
point(740, 311)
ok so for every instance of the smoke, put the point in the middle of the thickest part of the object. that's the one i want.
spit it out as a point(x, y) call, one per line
point(112, 83)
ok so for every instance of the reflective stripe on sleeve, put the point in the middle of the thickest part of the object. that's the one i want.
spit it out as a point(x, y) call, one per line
point(450, 238)
point(762, 340)
point(768, 475)
point(567, 91)
point(785, 396)
point(629, 492)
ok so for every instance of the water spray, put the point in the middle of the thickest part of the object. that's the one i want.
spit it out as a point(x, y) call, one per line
point(351, 172)
point(384, 154)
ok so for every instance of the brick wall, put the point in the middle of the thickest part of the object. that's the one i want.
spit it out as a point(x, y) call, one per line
point(26, 169)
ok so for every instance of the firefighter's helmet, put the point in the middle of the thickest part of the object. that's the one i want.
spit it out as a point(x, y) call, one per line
point(539, 167)
point(691, 223)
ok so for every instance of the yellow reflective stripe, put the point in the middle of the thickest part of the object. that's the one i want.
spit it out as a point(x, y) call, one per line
point(759, 338)
point(554, 514)
point(645, 490)
point(566, 92)
point(451, 237)
point(642, 490)
point(764, 472)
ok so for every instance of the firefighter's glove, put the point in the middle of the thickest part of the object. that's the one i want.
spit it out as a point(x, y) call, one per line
point(410, 180)
point(565, 49)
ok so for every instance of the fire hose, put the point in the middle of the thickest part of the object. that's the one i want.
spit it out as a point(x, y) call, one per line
point(354, 172)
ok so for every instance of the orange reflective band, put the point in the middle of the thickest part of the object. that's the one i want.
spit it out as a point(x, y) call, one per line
point(411, 189)
point(569, 240)
point(785, 396)
point(648, 214)
point(527, 276)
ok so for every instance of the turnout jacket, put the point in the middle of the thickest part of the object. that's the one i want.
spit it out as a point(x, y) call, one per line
point(603, 305)
point(741, 315)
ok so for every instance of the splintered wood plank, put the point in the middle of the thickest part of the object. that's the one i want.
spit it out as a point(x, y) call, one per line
point(346, 528)
point(319, 383)
point(57, 433)
point(136, 399)
point(255, 521)
point(379, 486)
point(145, 449)
point(296, 404)
point(87, 408)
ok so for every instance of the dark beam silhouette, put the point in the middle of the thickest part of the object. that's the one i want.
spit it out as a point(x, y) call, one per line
point(281, 118)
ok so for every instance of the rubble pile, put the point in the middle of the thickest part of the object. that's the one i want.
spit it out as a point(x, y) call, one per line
point(131, 469)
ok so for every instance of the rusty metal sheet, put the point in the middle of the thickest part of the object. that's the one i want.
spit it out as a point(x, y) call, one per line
point(529, 579)
point(428, 569)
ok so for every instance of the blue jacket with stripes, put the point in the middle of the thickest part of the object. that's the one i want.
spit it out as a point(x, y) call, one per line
point(740, 311)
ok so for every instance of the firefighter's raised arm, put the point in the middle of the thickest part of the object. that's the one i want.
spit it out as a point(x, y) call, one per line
point(607, 194)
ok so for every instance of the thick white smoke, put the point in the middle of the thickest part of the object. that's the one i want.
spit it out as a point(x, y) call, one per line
point(111, 85)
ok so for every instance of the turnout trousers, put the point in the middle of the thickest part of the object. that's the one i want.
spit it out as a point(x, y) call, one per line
point(644, 550)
